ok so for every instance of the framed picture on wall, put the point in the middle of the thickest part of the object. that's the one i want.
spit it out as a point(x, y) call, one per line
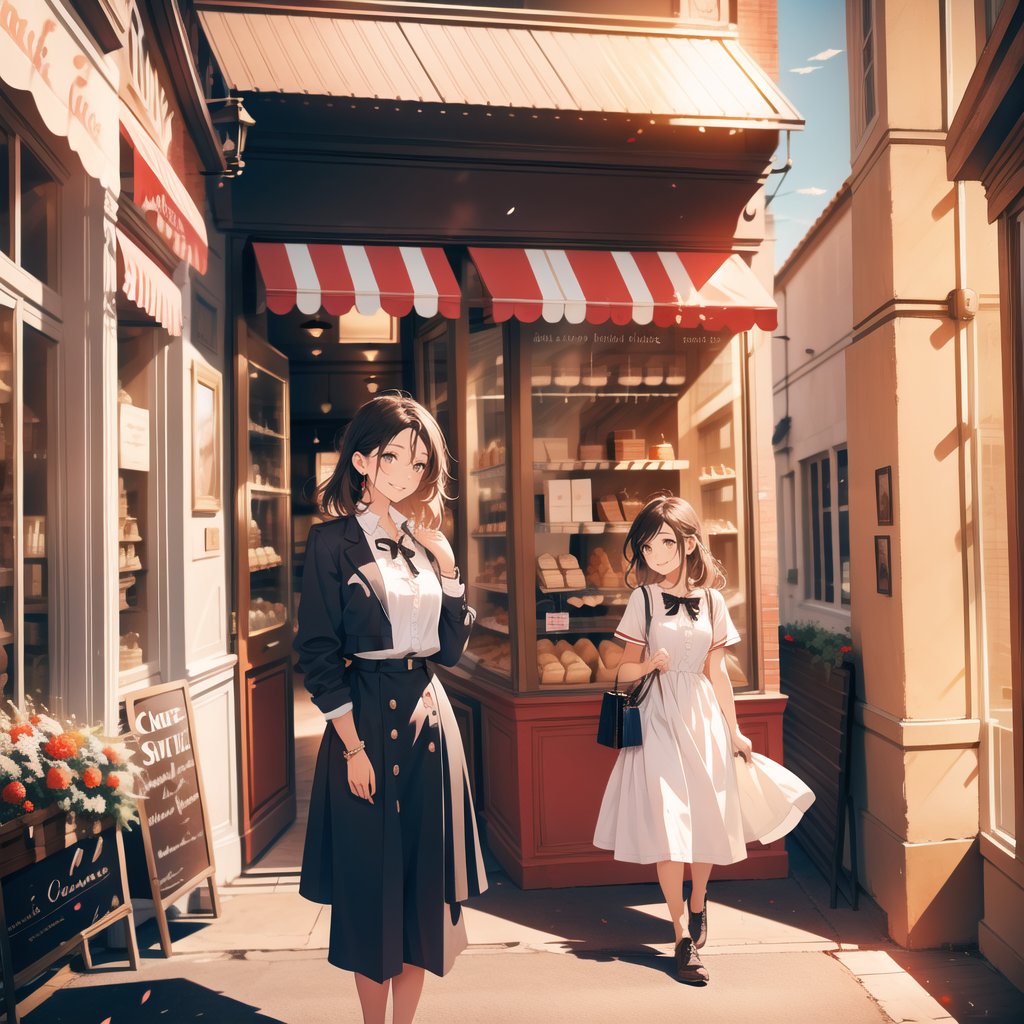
point(883, 495)
point(883, 565)
point(206, 439)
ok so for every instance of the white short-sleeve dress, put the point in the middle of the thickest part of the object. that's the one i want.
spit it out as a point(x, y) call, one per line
point(683, 795)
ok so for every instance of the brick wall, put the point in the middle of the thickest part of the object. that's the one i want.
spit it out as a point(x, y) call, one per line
point(759, 32)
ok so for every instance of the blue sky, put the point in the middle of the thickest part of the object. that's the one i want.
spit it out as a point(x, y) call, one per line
point(810, 29)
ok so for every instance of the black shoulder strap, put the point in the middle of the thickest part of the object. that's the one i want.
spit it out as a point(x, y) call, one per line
point(647, 618)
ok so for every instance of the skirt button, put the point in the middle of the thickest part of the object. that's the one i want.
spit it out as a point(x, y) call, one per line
point(394, 734)
point(394, 770)
point(431, 746)
point(392, 703)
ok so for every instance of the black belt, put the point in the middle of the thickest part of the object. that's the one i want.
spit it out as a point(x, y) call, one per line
point(388, 664)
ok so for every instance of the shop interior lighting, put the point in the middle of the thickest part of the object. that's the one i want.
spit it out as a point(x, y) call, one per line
point(315, 328)
point(371, 385)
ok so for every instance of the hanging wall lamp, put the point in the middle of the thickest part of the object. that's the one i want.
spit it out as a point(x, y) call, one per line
point(231, 122)
point(315, 328)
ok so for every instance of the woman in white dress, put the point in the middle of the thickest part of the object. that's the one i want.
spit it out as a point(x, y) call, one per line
point(676, 800)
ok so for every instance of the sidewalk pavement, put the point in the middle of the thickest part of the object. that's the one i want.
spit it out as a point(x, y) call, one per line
point(776, 953)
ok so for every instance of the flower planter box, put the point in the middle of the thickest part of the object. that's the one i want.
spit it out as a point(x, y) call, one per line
point(33, 837)
point(816, 734)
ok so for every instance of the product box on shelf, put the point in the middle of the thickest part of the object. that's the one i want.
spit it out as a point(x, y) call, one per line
point(582, 501)
point(558, 501)
point(591, 452)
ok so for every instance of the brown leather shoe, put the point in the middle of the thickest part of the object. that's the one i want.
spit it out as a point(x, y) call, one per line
point(697, 925)
point(689, 968)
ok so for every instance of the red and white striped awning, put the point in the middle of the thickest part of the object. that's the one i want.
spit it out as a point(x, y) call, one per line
point(716, 291)
point(334, 278)
point(148, 286)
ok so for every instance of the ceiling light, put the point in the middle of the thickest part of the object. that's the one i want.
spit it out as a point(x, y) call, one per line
point(317, 352)
point(315, 328)
point(371, 385)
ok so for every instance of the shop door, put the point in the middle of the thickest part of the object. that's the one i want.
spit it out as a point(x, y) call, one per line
point(263, 561)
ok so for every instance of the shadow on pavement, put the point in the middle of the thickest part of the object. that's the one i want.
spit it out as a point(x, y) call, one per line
point(145, 1003)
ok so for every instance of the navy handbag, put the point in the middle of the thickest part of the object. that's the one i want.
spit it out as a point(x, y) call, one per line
point(619, 725)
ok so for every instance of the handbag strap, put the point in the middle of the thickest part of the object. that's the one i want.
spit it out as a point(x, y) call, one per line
point(636, 698)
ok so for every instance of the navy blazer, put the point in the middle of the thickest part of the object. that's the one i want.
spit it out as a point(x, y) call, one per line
point(343, 611)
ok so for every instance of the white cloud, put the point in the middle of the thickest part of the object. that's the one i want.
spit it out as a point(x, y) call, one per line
point(826, 55)
point(812, 190)
point(805, 71)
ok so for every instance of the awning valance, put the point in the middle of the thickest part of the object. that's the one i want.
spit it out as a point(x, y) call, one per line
point(162, 196)
point(716, 291)
point(148, 286)
point(44, 51)
point(336, 278)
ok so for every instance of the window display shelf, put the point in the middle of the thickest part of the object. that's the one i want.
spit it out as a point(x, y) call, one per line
point(496, 471)
point(595, 528)
point(493, 625)
point(496, 588)
point(594, 624)
point(264, 568)
point(270, 491)
point(485, 535)
point(256, 430)
point(588, 465)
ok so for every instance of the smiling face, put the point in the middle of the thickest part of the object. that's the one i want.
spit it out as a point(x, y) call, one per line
point(664, 554)
point(394, 470)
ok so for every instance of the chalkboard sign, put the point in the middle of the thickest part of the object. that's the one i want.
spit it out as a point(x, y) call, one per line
point(49, 908)
point(174, 852)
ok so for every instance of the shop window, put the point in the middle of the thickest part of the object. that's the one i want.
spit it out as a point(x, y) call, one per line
point(826, 490)
point(9, 680)
point(137, 513)
point(992, 9)
point(787, 526)
point(843, 509)
point(39, 197)
point(868, 58)
point(6, 198)
point(37, 520)
point(993, 561)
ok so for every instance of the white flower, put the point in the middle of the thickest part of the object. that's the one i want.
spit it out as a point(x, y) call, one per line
point(9, 767)
point(28, 747)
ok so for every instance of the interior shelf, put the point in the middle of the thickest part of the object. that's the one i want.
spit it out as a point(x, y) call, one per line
point(571, 465)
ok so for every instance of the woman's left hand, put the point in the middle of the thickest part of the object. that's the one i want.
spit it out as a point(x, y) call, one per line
point(437, 544)
point(741, 746)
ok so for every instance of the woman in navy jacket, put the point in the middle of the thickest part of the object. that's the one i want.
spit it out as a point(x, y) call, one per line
point(392, 842)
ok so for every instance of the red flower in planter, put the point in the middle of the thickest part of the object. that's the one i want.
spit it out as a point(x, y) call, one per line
point(21, 730)
point(14, 793)
point(59, 777)
point(61, 747)
point(788, 638)
point(35, 719)
point(111, 755)
point(113, 781)
point(845, 649)
point(28, 807)
point(92, 777)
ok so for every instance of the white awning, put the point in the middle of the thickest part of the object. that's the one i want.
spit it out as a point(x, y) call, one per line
point(148, 286)
point(44, 52)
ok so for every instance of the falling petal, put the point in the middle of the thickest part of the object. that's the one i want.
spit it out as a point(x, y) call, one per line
point(826, 54)
point(145, 997)
point(510, 211)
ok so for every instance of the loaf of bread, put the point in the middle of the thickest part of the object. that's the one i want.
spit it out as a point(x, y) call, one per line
point(585, 649)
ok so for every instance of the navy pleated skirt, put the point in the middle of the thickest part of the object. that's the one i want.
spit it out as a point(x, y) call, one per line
point(395, 872)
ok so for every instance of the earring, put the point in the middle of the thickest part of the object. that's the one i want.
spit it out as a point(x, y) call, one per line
point(365, 481)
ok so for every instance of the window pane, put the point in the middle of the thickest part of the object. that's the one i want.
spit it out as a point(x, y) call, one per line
point(6, 204)
point(844, 556)
point(8, 625)
point(826, 527)
point(842, 478)
point(815, 532)
point(865, 9)
point(36, 521)
point(38, 219)
point(826, 483)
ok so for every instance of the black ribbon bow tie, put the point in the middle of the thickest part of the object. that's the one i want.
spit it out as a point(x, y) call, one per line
point(396, 548)
point(674, 601)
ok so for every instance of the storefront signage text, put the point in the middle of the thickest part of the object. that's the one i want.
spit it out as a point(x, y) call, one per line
point(145, 82)
point(597, 338)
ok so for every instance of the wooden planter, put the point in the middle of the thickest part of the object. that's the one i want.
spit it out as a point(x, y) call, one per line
point(816, 733)
point(33, 837)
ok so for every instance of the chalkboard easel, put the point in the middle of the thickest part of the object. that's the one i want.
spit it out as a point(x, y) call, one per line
point(175, 839)
point(55, 905)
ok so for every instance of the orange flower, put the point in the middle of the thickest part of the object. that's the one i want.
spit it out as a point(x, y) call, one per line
point(14, 793)
point(112, 755)
point(28, 807)
point(59, 777)
point(24, 729)
point(61, 747)
point(113, 781)
point(78, 738)
point(92, 777)
point(35, 719)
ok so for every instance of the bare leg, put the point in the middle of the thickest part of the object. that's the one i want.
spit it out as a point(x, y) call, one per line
point(373, 998)
point(699, 875)
point(670, 877)
point(408, 987)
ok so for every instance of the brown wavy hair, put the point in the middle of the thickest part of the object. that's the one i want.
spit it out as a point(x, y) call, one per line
point(375, 425)
point(702, 568)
